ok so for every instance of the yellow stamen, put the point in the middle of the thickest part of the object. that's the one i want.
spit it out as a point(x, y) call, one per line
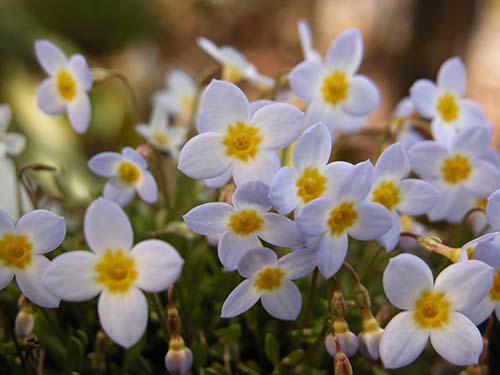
point(335, 87)
point(15, 251)
point(245, 222)
point(232, 74)
point(495, 288)
point(242, 141)
point(447, 107)
point(116, 270)
point(269, 279)
point(128, 173)
point(387, 194)
point(66, 84)
point(341, 218)
point(456, 169)
point(431, 310)
point(311, 184)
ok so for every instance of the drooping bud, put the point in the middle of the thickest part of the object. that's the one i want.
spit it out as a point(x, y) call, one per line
point(25, 320)
point(341, 364)
point(348, 342)
point(179, 358)
point(369, 337)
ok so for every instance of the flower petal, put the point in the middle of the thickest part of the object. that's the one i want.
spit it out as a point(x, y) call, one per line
point(331, 254)
point(118, 193)
point(243, 297)
point(14, 143)
point(402, 341)
point(232, 247)
point(423, 94)
point(346, 51)
point(363, 96)
point(335, 172)
point(313, 148)
point(253, 194)
point(405, 277)
point(50, 57)
point(204, 157)
point(459, 342)
point(158, 265)
point(357, 183)
point(45, 229)
point(473, 140)
point(209, 219)
point(253, 261)
point(392, 163)
point(6, 223)
point(147, 188)
point(123, 316)
point(311, 220)
point(304, 79)
point(283, 190)
point(48, 98)
point(390, 239)
point(373, 221)
point(280, 231)
point(79, 112)
point(262, 168)
point(481, 311)
point(81, 71)
point(71, 276)
point(484, 178)
point(298, 263)
point(493, 209)
point(30, 283)
point(425, 158)
point(107, 227)
point(452, 77)
point(220, 180)
point(418, 196)
point(6, 276)
point(104, 164)
point(285, 303)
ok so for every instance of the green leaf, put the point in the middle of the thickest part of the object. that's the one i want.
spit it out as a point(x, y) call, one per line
point(272, 349)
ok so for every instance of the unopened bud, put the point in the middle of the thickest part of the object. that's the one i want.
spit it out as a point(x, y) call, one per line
point(173, 322)
point(179, 358)
point(369, 338)
point(348, 343)
point(362, 299)
point(342, 365)
point(338, 304)
point(25, 322)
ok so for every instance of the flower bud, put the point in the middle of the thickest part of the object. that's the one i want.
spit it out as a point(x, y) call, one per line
point(341, 364)
point(179, 358)
point(348, 340)
point(25, 322)
point(369, 338)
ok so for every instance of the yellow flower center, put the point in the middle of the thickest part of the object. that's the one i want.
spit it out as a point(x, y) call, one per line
point(15, 251)
point(431, 310)
point(245, 222)
point(160, 138)
point(387, 194)
point(232, 73)
point(311, 184)
point(242, 141)
point(447, 107)
point(128, 173)
point(66, 84)
point(470, 252)
point(335, 87)
point(116, 270)
point(495, 288)
point(456, 169)
point(187, 103)
point(269, 279)
point(341, 218)
point(481, 202)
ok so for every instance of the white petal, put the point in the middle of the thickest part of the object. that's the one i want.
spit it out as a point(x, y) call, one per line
point(5, 117)
point(392, 163)
point(459, 342)
point(306, 41)
point(390, 239)
point(105, 163)
point(304, 79)
point(402, 341)
point(262, 168)
point(81, 71)
point(123, 316)
point(465, 283)
point(335, 172)
point(493, 209)
point(418, 196)
point(363, 96)
point(313, 147)
point(373, 220)
point(253, 194)
point(6, 223)
point(484, 178)
point(132, 155)
point(50, 57)
point(118, 193)
point(147, 188)
point(240, 300)
point(209, 219)
point(48, 98)
point(298, 263)
point(487, 251)
point(253, 261)
point(279, 124)
point(15, 143)
point(45, 229)
point(224, 104)
point(106, 227)
point(258, 104)
point(452, 205)
point(346, 51)
point(283, 190)
point(470, 114)
point(357, 183)
point(481, 311)
point(451, 76)
point(220, 180)
point(204, 156)
point(311, 220)
point(232, 247)
point(425, 158)
point(473, 140)
point(423, 94)
point(6, 276)
point(30, 283)
point(158, 265)
point(71, 276)
point(280, 231)
point(405, 277)
point(79, 112)
point(331, 254)
point(210, 48)
point(285, 303)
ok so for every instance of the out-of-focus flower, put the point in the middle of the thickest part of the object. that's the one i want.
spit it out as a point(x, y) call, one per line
point(11, 188)
point(435, 310)
point(333, 92)
point(306, 42)
point(161, 135)
point(232, 142)
point(443, 103)
point(399, 194)
point(11, 144)
point(179, 97)
point(21, 252)
point(116, 270)
point(235, 66)
point(66, 88)
point(344, 212)
point(242, 224)
point(459, 171)
point(268, 279)
point(310, 177)
point(128, 172)
point(402, 125)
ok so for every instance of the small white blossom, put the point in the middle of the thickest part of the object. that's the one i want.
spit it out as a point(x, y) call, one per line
point(11, 144)
point(306, 42)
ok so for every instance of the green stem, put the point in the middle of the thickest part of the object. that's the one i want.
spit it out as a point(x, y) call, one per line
point(310, 299)
point(157, 305)
point(53, 324)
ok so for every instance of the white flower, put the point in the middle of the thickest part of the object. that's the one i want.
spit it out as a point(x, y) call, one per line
point(398, 194)
point(348, 343)
point(242, 224)
point(66, 88)
point(179, 97)
point(11, 144)
point(160, 134)
point(116, 270)
point(344, 212)
point(306, 42)
point(128, 172)
point(402, 125)
point(443, 103)
point(235, 66)
point(268, 279)
point(458, 170)
point(22, 249)
point(435, 310)
point(179, 360)
point(333, 92)
point(234, 142)
point(311, 176)
point(9, 197)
